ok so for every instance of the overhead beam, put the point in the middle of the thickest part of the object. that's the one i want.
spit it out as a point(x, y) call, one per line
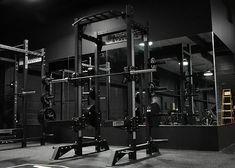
point(15, 49)
point(7, 60)
point(203, 46)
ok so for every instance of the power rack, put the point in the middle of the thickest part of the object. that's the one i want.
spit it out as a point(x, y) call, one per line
point(131, 28)
point(22, 56)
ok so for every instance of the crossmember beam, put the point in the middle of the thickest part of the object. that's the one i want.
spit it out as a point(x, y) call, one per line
point(6, 47)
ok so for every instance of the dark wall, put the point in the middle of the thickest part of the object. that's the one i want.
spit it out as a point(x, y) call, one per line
point(33, 104)
point(167, 19)
point(2, 87)
point(179, 137)
point(6, 95)
point(170, 81)
point(225, 70)
point(205, 138)
point(225, 135)
point(223, 21)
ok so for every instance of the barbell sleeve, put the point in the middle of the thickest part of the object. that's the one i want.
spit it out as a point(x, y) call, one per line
point(28, 92)
point(142, 71)
point(59, 80)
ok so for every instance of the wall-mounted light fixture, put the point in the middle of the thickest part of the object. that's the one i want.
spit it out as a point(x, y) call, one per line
point(185, 62)
point(207, 73)
point(142, 44)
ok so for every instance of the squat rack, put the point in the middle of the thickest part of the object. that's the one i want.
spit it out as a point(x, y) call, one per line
point(39, 56)
point(131, 28)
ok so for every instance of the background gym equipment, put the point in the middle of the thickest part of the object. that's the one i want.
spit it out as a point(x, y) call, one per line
point(23, 59)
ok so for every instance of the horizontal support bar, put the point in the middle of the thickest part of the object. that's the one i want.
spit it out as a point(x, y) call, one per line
point(142, 71)
point(31, 61)
point(85, 65)
point(108, 15)
point(9, 131)
point(88, 137)
point(92, 66)
point(8, 141)
point(5, 47)
point(7, 60)
point(90, 38)
point(28, 92)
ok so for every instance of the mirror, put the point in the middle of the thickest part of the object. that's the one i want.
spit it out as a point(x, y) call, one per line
point(225, 76)
point(185, 69)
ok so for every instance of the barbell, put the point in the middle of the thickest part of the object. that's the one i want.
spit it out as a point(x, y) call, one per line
point(131, 72)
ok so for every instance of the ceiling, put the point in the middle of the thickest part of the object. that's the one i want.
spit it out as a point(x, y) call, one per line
point(40, 11)
point(200, 63)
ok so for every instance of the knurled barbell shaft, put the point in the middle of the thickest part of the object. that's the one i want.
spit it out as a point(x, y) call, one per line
point(133, 72)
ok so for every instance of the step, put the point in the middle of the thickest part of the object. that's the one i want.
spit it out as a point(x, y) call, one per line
point(227, 103)
point(227, 110)
point(227, 118)
point(227, 96)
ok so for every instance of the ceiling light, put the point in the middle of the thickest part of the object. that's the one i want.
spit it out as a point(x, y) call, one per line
point(208, 73)
point(40, 166)
point(142, 44)
point(185, 62)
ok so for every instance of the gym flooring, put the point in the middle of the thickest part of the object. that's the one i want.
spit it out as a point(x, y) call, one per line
point(36, 156)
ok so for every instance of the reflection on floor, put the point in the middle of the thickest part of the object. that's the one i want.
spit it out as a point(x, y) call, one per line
point(39, 157)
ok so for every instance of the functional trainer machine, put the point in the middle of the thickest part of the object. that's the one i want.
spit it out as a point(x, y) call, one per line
point(24, 58)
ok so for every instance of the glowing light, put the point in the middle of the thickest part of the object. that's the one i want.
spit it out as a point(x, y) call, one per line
point(142, 44)
point(185, 62)
point(208, 73)
point(39, 166)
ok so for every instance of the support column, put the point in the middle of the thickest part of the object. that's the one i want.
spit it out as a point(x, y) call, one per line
point(131, 84)
point(16, 92)
point(78, 88)
point(62, 97)
point(108, 81)
point(43, 74)
point(182, 87)
point(147, 78)
point(24, 88)
point(97, 94)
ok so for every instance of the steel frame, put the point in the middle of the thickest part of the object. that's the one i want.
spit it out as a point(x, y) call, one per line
point(27, 53)
point(186, 54)
point(131, 27)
